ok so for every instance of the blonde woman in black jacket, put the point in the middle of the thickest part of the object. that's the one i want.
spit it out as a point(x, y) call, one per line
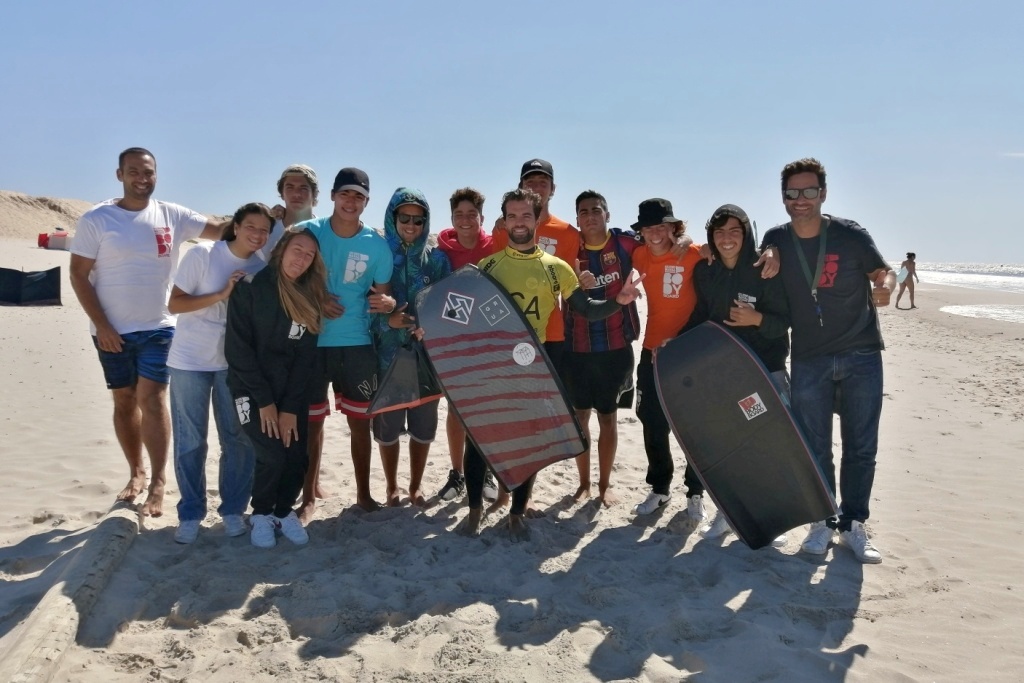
point(274, 318)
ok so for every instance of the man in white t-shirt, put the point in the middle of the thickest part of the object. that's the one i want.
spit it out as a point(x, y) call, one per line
point(298, 189)
point(123, 261)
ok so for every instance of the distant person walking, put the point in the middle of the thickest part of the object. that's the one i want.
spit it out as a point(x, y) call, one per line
point(908, 273)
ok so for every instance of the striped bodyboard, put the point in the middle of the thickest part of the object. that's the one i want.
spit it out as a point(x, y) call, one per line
point(497, 376)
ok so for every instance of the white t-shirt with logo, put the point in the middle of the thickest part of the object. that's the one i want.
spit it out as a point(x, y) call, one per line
point(136, 255)
point(199, 338)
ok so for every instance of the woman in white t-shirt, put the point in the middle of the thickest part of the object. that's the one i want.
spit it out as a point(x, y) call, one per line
point(204, 281)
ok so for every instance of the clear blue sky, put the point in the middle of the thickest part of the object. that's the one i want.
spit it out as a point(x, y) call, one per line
point(915, 108)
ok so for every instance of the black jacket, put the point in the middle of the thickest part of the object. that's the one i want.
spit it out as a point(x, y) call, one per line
point(718, 287)
point(270, 358)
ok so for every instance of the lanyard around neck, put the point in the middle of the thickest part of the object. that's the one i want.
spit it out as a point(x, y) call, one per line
point(815, 278)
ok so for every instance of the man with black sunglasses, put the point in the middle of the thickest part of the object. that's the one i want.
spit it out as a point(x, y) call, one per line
point(834, 278)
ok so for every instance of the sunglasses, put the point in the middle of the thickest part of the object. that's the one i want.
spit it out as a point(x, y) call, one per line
point(807, 192)
point(418, 221)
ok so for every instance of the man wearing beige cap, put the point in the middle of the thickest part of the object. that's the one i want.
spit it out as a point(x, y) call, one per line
point(298, 189)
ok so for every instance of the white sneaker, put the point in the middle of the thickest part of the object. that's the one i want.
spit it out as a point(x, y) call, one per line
point(187, 531)
point(718, 528)
point(264, 531)
point(780, 541)
point(490, 487)
point(234, 525)
point(817, 540)
point(695, 510)
point(651, 503)
point(292, 529)
point(856, 539)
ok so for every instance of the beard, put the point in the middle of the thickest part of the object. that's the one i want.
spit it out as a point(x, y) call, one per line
point(525, 239)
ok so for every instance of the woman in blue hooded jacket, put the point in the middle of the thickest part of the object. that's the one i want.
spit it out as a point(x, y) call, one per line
point(418, 263)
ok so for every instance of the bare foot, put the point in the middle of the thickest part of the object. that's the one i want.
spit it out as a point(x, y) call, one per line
point(606, 497)
point(417, 499)
point(582, 492)
point(496, 505)
point(136, 485)
point(393, 499)
point(320, 492)
point(534, 513)
point(154, 505)
point(368, 504)
point(470, 526)
point(517, 529)
point(306, 511)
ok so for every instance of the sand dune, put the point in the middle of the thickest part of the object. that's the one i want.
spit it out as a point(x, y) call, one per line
point(595, 595)
point(24, 216)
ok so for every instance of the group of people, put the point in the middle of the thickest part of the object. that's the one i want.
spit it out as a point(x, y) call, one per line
point(280, 307)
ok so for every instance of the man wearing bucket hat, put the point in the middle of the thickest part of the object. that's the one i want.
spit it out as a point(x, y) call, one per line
point(670, 301)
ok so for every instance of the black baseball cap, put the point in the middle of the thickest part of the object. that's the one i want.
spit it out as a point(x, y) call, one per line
point(654, 212)
point(350, 178)
point(537, 166)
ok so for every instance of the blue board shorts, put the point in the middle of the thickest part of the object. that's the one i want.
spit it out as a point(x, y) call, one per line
point(143, 354)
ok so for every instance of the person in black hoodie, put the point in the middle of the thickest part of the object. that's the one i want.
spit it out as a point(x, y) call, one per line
point(274, 318)
point(731, 290)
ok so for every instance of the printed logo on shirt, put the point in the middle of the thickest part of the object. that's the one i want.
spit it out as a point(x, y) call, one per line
point(356, 266)
point(296, 331)
point(494, 310)
point(672, 282)
point(163, 241)
point(605, 279)
point(829, 271)
point(752, 406)
point(457, 308)
point(609, 258)
point(746, 298)
point(243, 408)
point(547, 244)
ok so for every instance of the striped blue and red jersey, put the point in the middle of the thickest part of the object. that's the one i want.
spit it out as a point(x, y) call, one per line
point(611, 264)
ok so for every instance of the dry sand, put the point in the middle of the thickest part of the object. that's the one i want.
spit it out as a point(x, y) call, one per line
point(595, 595)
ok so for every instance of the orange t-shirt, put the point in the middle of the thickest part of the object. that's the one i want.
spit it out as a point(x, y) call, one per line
point(556, 237)
point(670, 293)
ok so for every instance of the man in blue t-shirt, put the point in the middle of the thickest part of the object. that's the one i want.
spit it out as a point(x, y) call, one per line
point(834, 278)
point(359, 269)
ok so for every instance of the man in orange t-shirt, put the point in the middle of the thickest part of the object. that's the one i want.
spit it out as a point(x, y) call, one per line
point(671, 299)
point(554, 236)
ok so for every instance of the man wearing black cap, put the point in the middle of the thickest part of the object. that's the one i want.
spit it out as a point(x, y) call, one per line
point(553, 235)
point(359, 267)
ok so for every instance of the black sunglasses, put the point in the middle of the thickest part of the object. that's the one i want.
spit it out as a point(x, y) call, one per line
point(418, 221)
point(807, 192)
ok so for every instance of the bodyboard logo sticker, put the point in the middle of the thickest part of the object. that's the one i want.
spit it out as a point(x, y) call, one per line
point(244, 409)
point(752, 406)
point(524, 354)
point(495, 310)
point(457, 308)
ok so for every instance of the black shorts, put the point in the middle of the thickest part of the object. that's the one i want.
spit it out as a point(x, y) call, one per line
point(599, 380)
point(352, 372)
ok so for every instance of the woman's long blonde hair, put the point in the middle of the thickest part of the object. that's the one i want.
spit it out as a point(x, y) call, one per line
point(303, 297)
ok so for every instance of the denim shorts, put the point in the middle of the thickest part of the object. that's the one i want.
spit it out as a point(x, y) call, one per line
point(143, 354)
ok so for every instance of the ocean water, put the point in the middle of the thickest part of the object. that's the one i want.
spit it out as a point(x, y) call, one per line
point(982, 276)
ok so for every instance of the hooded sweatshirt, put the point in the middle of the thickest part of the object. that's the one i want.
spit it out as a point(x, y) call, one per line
point(417, 265)
point(718, 286)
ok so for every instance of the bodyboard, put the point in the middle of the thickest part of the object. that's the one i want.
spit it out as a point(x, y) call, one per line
point(902, 275)
point(739, 435)
point(408, 382)
point(495, 372)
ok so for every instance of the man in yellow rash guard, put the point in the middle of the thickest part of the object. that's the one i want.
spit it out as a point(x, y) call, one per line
point(535, 280)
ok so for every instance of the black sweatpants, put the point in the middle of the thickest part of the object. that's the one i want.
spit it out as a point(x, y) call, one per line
point(476, 470)
point(280, 472)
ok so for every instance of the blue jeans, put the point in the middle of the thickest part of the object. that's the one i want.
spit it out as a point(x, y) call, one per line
point(850, 382)
point(190, 418)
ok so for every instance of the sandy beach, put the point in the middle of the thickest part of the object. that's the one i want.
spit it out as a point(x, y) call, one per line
point(595, 595)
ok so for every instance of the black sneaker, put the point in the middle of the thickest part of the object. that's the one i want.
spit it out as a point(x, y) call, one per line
point(490, 487)
point(454, 487)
